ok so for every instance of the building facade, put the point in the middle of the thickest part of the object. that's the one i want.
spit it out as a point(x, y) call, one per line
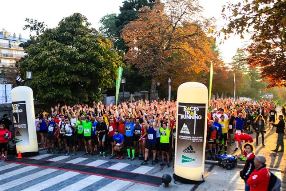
point(10, 53)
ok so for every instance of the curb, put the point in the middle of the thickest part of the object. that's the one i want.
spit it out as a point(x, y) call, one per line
point(240, 165)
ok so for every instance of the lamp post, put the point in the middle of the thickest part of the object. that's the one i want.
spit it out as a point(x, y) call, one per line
point(169, 89)
point(28, 75)
point(123, 81)
point(234, 86)
point(158, 84)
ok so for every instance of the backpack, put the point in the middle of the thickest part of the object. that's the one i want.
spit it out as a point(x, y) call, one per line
point(274, 183)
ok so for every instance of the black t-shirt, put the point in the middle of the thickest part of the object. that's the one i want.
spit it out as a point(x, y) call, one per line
point(101, 126)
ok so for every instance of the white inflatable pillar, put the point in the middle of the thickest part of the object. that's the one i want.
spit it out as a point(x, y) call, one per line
point(24, 120)
point(192, 104)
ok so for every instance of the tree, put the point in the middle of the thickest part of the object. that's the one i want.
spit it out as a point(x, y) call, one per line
point(266, 21)
point(164, 44)
point(111, 27)
point(113, 24)
point(71, 63)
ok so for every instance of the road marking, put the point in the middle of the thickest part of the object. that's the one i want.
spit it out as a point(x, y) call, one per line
point(41, 156)
point(116, 185)
point(80, 185)
point(16, 172)
point(77, 160)
point(118, 166)
point(58, 158)
point(142, 169)
point(52, 181)
point(8, 166)
point(25, 179)
point(96, 163)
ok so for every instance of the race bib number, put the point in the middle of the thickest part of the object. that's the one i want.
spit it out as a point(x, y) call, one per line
point(80, 128)
point(150, 136)
point(163, 133)
point(110, 129)
point(51, 128)
point(230, 126)
point(86, 131)
point(137, 132)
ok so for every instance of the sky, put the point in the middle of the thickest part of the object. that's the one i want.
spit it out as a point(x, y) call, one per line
point(51, 12)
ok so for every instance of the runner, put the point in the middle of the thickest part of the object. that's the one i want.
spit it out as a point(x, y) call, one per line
point(5, 136)
point(111, 131)
point(87, 126)
point(129, 138)
point(165, 133)
point(118, 144)
point(137, 135)
point(51, 136)
point(79, 133)
point(101, 130)
point(67, 132)
point(223, 139)
point(150, 144)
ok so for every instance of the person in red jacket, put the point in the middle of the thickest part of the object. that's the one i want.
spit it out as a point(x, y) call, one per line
point(259, 178)
point(5, 136)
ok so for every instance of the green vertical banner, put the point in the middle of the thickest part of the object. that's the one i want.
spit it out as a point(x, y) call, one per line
point(211, 81)
point(118, 82)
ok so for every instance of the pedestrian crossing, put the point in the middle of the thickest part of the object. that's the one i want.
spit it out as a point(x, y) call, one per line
point(17, 176)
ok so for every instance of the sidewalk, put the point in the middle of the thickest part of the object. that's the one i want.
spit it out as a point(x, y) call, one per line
point(274, 160)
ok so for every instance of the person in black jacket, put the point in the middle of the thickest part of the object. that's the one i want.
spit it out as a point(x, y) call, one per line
point(259, 128)
point(249, 164)
point(280, 127)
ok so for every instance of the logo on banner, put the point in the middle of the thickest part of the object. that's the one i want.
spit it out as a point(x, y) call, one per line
point(186, 159)
point(189, 149)
point(185, 129)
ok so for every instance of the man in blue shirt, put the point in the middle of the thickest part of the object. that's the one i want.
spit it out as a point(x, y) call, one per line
point(118, 139)
point(129, 134)
point(239, 124)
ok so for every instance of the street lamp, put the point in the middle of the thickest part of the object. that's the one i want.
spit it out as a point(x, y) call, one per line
point(123, 81)
point(158, 84)
point(169, 92)
point(28, 75)
point(234, 86)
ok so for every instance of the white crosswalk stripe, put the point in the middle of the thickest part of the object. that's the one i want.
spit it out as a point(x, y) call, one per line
point(142, 169)
point(118, 166)
point(52, 181)
point(77, 160)
point(41, 156)
point(16, 172)
point(96, 163)
point(80, 185)
point(5, 167)
point(116, 185)
point(42, 179)
point(24, 179)
point(58, 158)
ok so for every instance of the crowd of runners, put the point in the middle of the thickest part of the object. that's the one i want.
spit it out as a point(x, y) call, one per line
point(146, 129)
point(135, 129)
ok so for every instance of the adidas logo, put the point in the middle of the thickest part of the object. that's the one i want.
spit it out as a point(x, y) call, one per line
point(187, 159)
point(189, 149)
point(185, 129)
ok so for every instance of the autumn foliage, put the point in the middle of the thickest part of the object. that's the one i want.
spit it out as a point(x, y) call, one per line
point(163, 42)
point(265, 20)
